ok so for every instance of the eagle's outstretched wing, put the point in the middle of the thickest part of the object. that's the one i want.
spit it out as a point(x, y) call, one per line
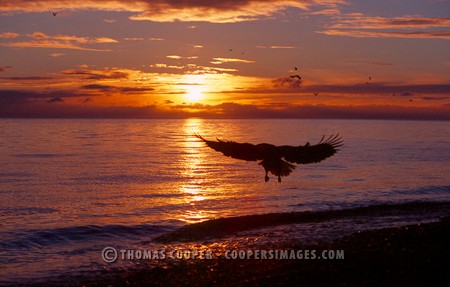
point(311, 153)
point(244, 151)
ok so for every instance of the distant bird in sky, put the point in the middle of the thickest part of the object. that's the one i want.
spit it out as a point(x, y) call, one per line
point(295, 68)
point(54, 13)
point(315, 93)
point(272, 156)
point(370, 78)
point(296, 76)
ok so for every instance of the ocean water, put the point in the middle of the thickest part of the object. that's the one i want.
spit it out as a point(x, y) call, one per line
point(69, 188)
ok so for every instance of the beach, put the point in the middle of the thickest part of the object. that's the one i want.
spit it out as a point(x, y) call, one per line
point(413, 255)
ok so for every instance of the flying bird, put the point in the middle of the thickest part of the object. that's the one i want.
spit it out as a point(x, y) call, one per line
point(277, 159)
point(315, 93)
point(296, 76)
point(54, 13)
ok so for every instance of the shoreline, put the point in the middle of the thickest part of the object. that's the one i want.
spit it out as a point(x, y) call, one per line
point(414, 255)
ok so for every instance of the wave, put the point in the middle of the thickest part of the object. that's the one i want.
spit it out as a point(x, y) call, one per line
point(14, 211)
point(227, 226)
point(432, 189)
point(42, 155)
point(15, 174)
point(38, 238)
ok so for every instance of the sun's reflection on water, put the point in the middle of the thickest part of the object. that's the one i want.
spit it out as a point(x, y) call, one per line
point(196, 174)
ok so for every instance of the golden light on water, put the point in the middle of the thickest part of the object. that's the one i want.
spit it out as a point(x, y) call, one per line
point(193, 169)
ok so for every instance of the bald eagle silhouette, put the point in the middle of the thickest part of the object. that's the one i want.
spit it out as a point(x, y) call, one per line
point(272, 156)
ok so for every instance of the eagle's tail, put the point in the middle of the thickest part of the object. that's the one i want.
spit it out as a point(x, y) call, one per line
point(277, 167)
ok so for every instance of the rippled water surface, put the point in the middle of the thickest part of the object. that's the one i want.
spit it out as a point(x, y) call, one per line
point(70, 187)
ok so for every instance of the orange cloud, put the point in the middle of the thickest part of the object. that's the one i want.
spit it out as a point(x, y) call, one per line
point(177, 57)
point(361, 21)
point(165, 66)
point(362, 26)
point(231, 60)
point(28, 104)
point(9, 35)
point(224, 11)
point(275, 47)
point(142, 39)
point(105, 74)
point(41, 40)
point(389, 34)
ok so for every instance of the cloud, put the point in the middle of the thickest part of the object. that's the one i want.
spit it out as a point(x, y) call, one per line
point(177, 57)
point(165, 66)
point(224, 11)
point(231, 60)
point(134, 39)
point(435, 98)
point(98, 74)
point(275, 47)
point(361, 21)
point(55, 100)
point(209, 70)
point(30, 78)
point(28, 104)
point(143, 39)
point(404, 90)
point(4, 68)
point(9, 35)
point(18, 97)
point(290, 82)
point(364, 26)
point(108, 88)
point(41, 40)
point(387, 34)
point(56, 55)
point(327, 12)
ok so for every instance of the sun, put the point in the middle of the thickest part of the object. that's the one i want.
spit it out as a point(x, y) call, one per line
point(194, 93)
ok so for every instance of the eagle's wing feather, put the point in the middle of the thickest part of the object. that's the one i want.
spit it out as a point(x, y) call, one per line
point(244, 151)
point(311, 153)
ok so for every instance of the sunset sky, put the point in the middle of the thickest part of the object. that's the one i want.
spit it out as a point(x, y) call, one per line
point(225, 59)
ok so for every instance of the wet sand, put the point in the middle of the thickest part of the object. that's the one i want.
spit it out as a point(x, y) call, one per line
point(414, 255)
